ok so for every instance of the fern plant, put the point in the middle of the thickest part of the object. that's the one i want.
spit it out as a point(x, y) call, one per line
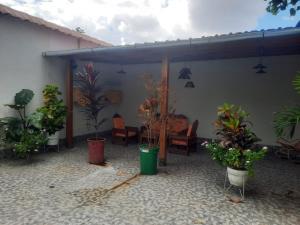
point(286, 121)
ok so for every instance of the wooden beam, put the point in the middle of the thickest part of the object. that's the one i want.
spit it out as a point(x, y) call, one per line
point(164, 111)
point(69, 98)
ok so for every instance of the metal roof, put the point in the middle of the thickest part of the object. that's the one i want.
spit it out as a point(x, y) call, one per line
point(281, 41)
point(38, 21)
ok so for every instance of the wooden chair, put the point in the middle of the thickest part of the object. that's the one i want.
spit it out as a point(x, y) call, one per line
point(187, 139)
point(122, 132)
point(289, 149)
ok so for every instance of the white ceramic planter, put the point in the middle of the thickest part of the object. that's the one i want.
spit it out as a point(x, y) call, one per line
point(237, 177)
point(53, 139)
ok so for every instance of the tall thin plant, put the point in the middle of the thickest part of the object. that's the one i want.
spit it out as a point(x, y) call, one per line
point(92, 99)
point(148, 111)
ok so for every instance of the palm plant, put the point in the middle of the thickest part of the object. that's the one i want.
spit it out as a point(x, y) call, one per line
point(286, 121)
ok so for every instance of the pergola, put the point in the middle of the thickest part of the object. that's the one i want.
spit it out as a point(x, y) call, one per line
point(239, 45)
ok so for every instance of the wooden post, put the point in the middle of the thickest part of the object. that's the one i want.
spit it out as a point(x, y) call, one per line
point(164, 112)
point(69, 98)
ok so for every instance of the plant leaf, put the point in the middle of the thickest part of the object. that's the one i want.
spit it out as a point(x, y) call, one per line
point(23, 97)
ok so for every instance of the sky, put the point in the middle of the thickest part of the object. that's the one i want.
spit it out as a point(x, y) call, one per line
point(136, 21)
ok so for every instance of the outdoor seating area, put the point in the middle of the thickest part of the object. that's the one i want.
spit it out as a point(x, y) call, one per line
point(200, 129)
point(181, 134)
point(61, 188)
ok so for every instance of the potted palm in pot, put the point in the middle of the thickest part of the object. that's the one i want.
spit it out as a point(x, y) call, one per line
point(54, 113)
point(92, 101)
point(236, 149)
point(149, 114)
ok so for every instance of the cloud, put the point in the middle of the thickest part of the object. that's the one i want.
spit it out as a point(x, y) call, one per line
point(130, 21)
point(127, 4)
point(219, 16)
point(139, 24)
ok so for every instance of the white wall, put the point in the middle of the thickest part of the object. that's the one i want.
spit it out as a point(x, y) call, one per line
point(22, 64)
point(219, 81)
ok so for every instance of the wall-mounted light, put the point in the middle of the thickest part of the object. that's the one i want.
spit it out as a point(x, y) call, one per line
point(189, 84)
point(260, 68)
point(185, 73)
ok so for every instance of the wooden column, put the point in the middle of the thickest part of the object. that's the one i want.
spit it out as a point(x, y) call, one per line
point(69, 98)
point(164, 112)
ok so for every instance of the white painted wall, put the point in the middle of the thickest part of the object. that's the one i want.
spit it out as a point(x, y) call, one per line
point(22, 64)
point(219, 81)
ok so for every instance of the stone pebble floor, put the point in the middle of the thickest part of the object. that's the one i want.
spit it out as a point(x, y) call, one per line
point(62, 188)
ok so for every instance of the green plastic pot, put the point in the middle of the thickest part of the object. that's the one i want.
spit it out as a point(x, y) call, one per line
point(148, 159)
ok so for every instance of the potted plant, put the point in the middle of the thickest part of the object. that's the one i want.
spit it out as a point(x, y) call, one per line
point(149, 114)
point(23, 133)
point(54, 113)
point(236, 148)
point(93, 101)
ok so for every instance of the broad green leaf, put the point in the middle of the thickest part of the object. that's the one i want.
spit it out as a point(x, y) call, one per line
point(23, 97)
point(35, 119)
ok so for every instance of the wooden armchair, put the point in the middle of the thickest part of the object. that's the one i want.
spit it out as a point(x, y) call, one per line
point(122, 132)
point(288, 149)
point(186, 139)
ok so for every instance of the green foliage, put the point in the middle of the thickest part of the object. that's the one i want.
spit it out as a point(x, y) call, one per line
point(95, 100)
point(296, 83)
point(238, 159)
point(22, 132)
point(52, 115)
point(275, 6)
point(31, 141)
point(12, 127)
point(286, 121)
point(2, 136)
point(24, 97)
point(236, 147)
point(232, 126)
point(251, 157)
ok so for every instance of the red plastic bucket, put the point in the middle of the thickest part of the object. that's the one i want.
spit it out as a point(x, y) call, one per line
point(96, 150)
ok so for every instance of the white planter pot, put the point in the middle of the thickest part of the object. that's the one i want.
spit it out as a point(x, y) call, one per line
point(53, 139)
point(237, 177)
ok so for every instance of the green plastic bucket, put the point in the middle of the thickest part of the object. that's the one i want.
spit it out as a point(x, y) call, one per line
point(148, 160)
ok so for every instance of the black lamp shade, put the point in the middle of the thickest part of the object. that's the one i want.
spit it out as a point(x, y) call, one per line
point(185, 73)
point(259, 66)
point(121, 72)
point(261, 71)
point(189, 84)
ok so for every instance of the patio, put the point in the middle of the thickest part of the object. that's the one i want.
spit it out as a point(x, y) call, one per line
point(62, 188)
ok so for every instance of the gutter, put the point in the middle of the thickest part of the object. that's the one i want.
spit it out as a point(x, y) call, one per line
point(180, 43)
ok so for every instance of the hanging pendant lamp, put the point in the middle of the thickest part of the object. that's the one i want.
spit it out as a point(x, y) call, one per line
point(260, 67)
point(189, 84)
point(121, 71)
point(185, 73)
